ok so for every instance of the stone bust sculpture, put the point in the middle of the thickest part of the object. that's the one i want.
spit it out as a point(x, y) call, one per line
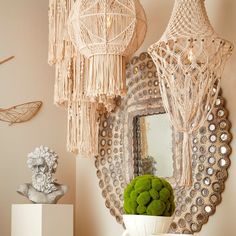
point(43, 189)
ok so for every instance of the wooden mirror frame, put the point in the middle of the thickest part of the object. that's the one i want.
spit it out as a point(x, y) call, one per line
point(117, 162)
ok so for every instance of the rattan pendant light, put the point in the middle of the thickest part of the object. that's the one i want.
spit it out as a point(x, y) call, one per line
point(190, 58)
point(107, 32)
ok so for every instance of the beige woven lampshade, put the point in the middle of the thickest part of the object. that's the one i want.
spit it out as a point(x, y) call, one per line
point(190, 58)
point(107, 32)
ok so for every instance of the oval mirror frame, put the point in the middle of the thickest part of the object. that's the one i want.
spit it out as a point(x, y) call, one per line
point(117, 162)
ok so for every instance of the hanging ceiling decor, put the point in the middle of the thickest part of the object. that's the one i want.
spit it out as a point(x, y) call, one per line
point(69, 86)
point(190, 58)
point(89, 42)
point(61, 51)
point(107, 33)
point(83, 115)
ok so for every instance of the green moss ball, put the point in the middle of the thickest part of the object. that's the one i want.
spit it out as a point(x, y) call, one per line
point(149, 195)
point(164, 194)
point(142, 185)
point(156, 208)
point(144, 198)
point(154, 194)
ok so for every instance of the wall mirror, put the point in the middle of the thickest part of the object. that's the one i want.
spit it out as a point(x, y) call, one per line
point(126, 139)
point(153, 135)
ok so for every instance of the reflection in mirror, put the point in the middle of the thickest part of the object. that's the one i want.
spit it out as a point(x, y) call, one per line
point(155, 145)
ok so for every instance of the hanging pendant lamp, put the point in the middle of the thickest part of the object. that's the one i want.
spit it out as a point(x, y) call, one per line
point(107, 32)
point(190, 58)
point(82, 84)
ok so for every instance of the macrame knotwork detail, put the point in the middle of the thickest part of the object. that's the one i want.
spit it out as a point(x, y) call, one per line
point(107, 32)
point(89, 42)
point(69, 82)
point(190, 58)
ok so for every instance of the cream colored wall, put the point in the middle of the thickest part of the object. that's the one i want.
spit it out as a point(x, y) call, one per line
point(23, 33)
point(93, 218)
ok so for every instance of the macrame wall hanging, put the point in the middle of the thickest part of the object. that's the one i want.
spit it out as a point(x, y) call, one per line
point(90, 63)
point(190, 58)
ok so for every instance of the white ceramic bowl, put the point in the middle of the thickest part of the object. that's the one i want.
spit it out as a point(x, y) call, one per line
point(143, 225)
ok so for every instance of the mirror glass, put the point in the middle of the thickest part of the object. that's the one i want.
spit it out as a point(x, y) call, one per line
point(155, 141)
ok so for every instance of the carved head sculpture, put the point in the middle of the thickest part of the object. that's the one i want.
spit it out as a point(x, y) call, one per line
point(43, 163)
point(43, 189)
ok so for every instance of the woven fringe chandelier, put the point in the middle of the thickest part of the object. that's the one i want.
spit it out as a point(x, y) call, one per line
point(190, 58)
point(85, 82)
point(107, 33)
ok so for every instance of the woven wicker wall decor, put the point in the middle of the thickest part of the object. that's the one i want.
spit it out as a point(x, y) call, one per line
point(20, 113)
point(190, 58)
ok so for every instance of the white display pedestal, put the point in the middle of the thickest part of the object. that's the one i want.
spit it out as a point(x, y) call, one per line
point(42, 220)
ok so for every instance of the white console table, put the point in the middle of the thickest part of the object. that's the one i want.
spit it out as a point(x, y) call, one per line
point(42, 220)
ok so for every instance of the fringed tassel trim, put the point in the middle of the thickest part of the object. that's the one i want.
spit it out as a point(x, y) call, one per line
point(106, 76)
point(186, 162)
point(58, 33)
point(83, 127)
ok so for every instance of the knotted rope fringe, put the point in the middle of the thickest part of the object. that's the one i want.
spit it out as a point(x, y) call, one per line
point(186, 165)
point(83, 115)
point(118, 27)
point(58, 36)
point(69, 90)
point(83, 123)
point(63, 82)
point(106, 76)
point(61, 50)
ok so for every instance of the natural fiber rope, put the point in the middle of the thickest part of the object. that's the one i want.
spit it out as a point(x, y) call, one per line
point(190, 58)
point(111, 31)
point(69, 91)
point(83, 115)
point(83, 123)
point(107, 32)
point(61, 50)
point(188, 19)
